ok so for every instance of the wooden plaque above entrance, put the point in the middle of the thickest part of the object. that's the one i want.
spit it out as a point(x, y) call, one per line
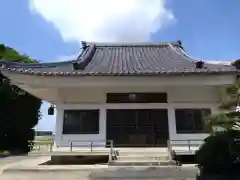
point(136, 97)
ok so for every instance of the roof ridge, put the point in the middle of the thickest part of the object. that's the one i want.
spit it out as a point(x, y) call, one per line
point(134, 44)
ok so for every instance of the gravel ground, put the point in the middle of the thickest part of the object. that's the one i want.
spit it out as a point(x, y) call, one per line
point(13, 159)
point(69, 176)
point(9, 161)
point(101, 174)
point(42, 176)
point(114, 173)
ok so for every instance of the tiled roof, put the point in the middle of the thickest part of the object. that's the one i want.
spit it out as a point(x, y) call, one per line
point(105, 59)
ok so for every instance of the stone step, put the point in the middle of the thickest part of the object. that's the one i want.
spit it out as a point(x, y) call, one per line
point(142, 150)
point(126, 157)
point(142, 163)
point(142, 154)
point(142, 173)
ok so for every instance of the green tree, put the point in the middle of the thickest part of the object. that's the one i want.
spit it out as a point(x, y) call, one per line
point(19, 111)
point(220, 152)
point(228, 117)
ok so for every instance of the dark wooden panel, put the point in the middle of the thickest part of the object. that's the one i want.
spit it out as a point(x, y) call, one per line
point(81, 122)
point(136, 97)
point(191, 121)
point(137, 127)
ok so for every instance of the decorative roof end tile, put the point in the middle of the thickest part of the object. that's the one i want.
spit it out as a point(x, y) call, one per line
point(199, 64)
point(83, 61)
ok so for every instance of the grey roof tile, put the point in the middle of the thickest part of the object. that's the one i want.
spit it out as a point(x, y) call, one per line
point(124, 59)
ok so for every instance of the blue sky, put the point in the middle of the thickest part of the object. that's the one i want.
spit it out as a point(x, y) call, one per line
point(209, 29)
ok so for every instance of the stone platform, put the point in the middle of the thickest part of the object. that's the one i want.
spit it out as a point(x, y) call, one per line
point(126, 156)
point(30, 167)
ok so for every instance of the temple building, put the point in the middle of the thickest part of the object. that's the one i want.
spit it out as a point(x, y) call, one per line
point(138, 95)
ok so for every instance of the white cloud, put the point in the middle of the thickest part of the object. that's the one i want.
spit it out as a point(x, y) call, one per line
point(104, 20)
point(219, 62)
point(68, 58)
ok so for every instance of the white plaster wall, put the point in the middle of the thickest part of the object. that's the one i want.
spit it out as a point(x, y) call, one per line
point(119, 81)
point(94, 98)
point(50, 87)
point(194, 94)
point(199, 94)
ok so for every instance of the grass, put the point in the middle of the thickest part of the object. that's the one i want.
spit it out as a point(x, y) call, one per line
point(44, 138)
point(43, 142)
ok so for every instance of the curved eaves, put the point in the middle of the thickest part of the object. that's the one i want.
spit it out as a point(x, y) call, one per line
point(208, 63)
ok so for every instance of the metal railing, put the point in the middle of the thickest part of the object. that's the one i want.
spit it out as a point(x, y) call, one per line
point(92, 144)
point(43, 146)
point(186, 144)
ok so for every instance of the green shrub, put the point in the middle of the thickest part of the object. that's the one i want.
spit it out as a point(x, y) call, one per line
point(219, 153)
point(4, 153)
